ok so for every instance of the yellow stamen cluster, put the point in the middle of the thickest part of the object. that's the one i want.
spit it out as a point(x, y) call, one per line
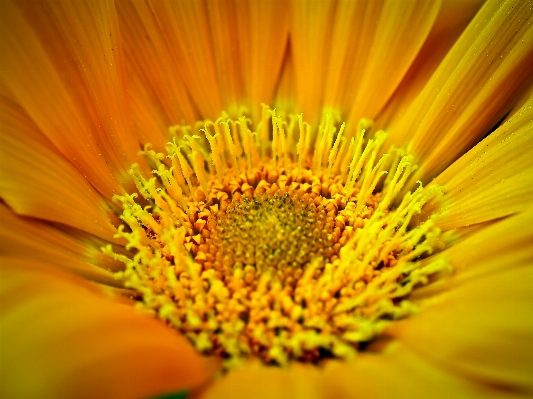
point(280, 243)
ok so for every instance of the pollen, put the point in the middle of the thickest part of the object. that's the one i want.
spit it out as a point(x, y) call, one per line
point(279, 242)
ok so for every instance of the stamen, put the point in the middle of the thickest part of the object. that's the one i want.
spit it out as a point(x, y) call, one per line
point(283, 259)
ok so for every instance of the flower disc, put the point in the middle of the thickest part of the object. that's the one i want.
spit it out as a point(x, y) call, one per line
point(289, 255)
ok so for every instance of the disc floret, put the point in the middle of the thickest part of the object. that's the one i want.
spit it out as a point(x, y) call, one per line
point(282, 244)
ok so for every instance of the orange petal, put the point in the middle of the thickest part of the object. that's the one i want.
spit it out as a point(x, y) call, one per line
point(36, 180)
point(228, 53)
point(493, 179)
point(395, 373)
point(255, 380)
point(157, 93)
point(61, 340)
point(473, 88)
point(62, 62)
point(186, 30)
point(74, 251)
point(222, 23)
point(482, 329)
point(263, 33)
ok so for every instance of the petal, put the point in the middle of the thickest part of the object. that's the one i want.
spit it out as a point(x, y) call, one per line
point(157, 93)
point(395, 373)
point(452, 19)
point(36, 180)
point(62, 340)
point(62, 62)
point(255, 380)
point(187, 33)
point(222, 20)
point(228, 53)
point(521, 103)
point(492, 180)
point(329, 43)
point(397, 37)
point(263, 33)
point(285, 98)
point(76, 252)
point(400, 373)
point(311, 29)
point(477, 83)
point(484, 329)
point(499, 246)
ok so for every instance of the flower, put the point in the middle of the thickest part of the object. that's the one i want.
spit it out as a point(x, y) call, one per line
point(85, 85)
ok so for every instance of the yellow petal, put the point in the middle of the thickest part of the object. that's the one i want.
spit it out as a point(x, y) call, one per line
point(473, 88)
point(499, 246)
point(62, 62)
point(311, 29)
point(482, 330)
point(285, 97)
point(521, 103)
point(359, 50)
point(70, 250)
point(61, 340)
point(397, 37)
point(452, 19)
point(493, 179)
point(36, 180)
point(400, 373)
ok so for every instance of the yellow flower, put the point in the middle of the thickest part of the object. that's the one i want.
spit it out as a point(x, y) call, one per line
point(85, 85)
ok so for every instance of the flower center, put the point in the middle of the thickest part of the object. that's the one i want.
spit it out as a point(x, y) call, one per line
point(268, 247)
point(278, 230)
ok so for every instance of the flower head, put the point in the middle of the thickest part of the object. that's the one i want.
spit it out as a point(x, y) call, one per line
point(361, 208)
